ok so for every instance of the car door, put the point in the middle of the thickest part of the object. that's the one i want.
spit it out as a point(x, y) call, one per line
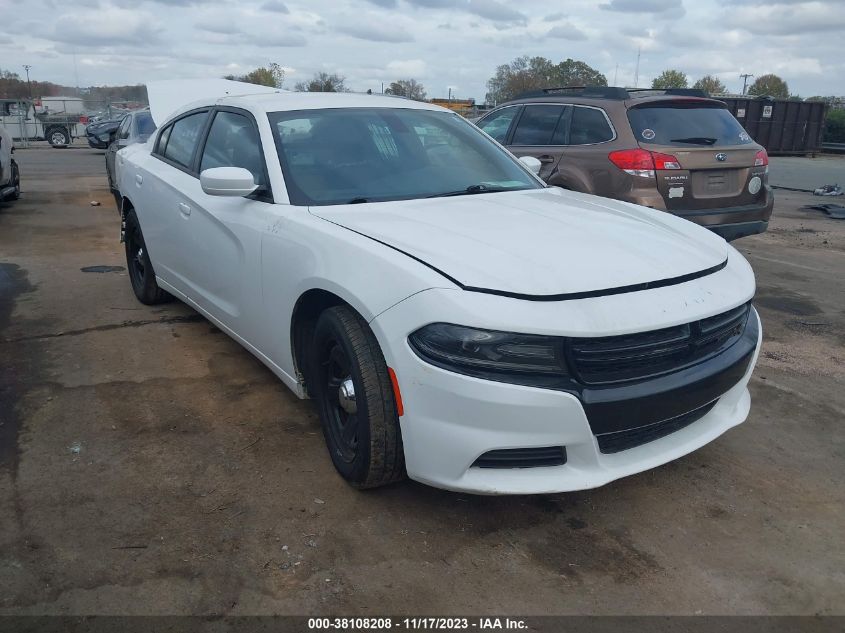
point(539, 132)
point(166, 190)
point(584, 165)
point(222, 235)
point(121, 134)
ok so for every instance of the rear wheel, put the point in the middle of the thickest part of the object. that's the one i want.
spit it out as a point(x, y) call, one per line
point(355, 399)
point(58, 137)
point(141, 273)
point(16, 181)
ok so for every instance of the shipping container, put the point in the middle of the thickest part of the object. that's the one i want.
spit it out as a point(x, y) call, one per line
point(782, 126)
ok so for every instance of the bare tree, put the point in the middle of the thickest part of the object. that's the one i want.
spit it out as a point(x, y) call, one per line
point(410, 88)
point(323, 82)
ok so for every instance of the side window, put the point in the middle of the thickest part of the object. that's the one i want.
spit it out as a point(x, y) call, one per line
point(589, 125)
point(498, 123)
point(537, 125)
point(123, 130)
point(233, 142)
point(182, 139)
point(162, 140)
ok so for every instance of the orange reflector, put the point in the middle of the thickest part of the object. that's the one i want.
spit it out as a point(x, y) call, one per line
point(400, 409)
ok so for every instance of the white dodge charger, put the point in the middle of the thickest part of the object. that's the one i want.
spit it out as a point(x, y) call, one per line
point(453, 318)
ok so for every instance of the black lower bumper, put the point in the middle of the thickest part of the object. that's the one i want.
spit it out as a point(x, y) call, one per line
point(622, 408)
point(740, 229)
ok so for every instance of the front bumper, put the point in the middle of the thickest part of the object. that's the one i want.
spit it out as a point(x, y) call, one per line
point(451, 420)
point(96, 142)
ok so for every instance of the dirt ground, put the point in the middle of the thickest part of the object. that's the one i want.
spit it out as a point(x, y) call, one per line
point(148, 464)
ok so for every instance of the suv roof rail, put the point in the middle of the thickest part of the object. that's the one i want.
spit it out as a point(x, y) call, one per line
point(611, 92)
point(681, 92)
point(598, 92)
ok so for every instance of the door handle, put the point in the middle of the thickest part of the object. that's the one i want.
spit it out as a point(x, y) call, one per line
point(545, 158)
point(139, 179)
point(184, 209)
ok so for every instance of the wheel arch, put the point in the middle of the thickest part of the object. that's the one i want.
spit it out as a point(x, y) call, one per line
point(306, 311)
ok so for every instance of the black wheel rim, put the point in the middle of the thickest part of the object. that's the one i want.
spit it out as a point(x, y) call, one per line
point(135, 256)
point(343, 417)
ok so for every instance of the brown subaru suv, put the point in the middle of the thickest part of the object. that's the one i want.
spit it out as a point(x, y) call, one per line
point(674, 150)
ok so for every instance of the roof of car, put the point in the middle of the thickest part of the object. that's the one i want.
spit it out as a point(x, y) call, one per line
point(629, 96)
point(284, 100)
point(167, 98)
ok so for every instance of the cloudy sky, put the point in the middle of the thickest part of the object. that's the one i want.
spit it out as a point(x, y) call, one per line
point(442, 43)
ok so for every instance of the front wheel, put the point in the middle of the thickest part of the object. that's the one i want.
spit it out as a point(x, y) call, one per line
point(355, 399)
point(141, 274)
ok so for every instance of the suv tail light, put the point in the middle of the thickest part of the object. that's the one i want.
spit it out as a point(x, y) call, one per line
point(641, 162)
point(761, 159)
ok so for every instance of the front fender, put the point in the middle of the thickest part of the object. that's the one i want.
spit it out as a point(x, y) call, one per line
point(301, 252)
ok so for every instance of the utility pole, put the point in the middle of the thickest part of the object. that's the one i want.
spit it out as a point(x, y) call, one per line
point(745, 77)
point(615, 74)
point(637, 71)
point(26, 67)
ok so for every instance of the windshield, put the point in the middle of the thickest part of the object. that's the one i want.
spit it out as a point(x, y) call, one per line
point(351, 155)
point(686, 125)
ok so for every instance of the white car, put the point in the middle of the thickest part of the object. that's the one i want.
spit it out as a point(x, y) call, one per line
point(452, 316)
point(10, 178)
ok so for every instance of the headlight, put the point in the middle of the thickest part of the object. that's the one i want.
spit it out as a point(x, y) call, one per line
point(519, 358)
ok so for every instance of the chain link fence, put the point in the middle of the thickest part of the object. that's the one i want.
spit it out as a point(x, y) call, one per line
point(58, 120)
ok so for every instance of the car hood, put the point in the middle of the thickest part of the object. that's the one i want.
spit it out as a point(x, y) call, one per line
point(538, 243)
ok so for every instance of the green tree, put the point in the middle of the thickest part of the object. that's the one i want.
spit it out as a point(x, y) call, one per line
point(410, 88)
point(711, 85)
point(323, 82)
point(534, 73)
point(670, 79)
point(573, 72)
point(769, 86)
point(273, 76)
point(834, 127)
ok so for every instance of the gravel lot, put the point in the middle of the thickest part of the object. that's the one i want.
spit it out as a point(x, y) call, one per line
point(148, 464)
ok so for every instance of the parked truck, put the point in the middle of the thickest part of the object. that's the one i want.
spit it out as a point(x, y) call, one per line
point(57, 120)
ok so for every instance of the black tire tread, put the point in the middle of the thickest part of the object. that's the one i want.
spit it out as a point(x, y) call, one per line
point(387, 456)
point(151, 294)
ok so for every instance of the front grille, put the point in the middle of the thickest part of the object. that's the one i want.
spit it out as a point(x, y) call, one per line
point(522, 457)
point(623, 440)
point(631, 357)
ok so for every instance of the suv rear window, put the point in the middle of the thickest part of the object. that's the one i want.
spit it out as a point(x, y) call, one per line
point(686, 125)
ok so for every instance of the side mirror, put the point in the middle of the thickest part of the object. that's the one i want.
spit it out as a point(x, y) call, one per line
point(122, 142)
point(532, 163)
point(227, 181)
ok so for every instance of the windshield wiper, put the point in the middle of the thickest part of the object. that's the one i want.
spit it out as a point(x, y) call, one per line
point(695, 140)
point(358, 201)
point(472, 189)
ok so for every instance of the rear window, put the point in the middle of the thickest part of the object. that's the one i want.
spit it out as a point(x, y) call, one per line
point(686, 125)
point(146, 125)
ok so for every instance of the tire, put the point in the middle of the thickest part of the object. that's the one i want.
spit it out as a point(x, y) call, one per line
point(363, 438)
point(16, 181)
point(58, 137)
point(141, 274)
